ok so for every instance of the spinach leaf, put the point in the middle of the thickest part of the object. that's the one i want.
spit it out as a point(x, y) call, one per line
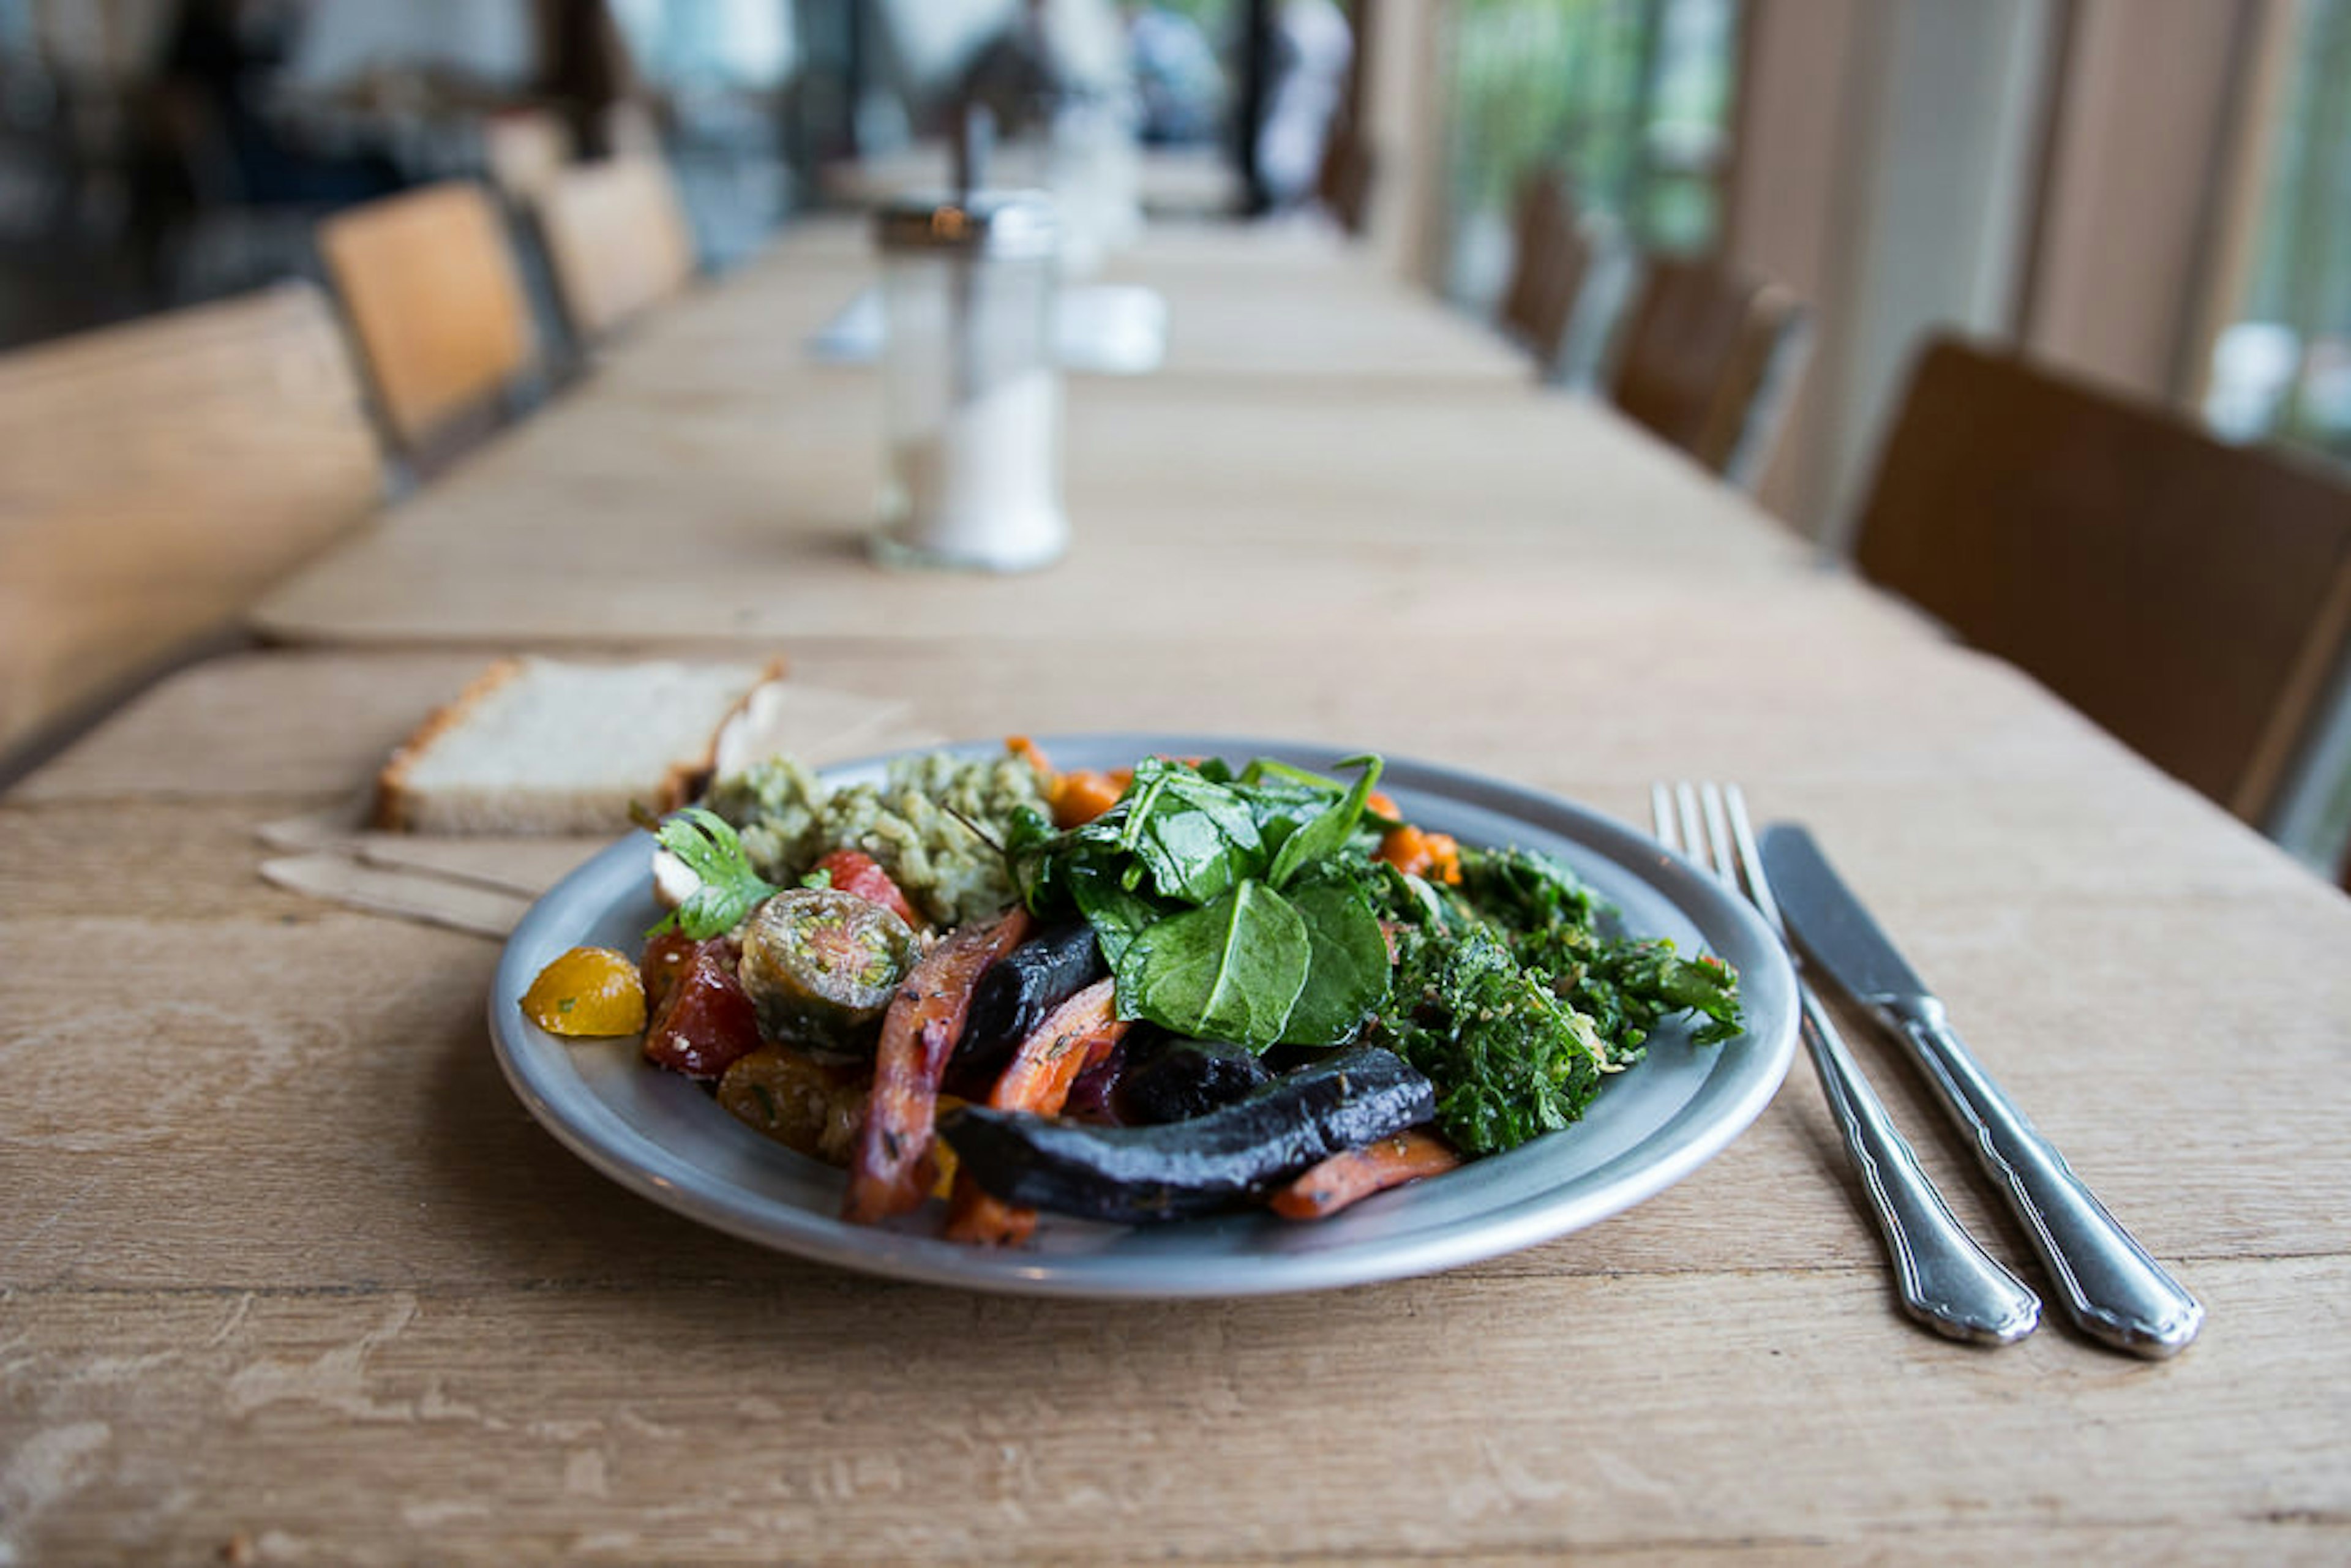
point(1195, 835)
point(1229, 970)
point(1035, 857)
point(1347, 974)
point(1328, 833)
point(1115, 911)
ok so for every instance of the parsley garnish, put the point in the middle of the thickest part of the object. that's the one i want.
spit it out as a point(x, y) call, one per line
point(729, 888)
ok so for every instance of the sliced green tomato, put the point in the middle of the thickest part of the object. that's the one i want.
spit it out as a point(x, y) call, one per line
point(820, 965)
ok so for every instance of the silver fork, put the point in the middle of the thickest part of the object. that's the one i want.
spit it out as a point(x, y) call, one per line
point(1946, 1281)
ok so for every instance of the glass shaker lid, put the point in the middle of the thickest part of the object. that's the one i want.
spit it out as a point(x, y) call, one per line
point(1012, 225)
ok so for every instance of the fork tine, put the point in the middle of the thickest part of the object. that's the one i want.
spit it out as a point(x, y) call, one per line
point(1750, 862)
point(1718, 834)
point(1693, 829)
point(1662, 820)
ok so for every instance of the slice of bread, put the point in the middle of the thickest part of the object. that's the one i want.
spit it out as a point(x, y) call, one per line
point(538, 746)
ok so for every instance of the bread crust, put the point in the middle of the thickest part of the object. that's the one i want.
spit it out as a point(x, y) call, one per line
point(394, 809)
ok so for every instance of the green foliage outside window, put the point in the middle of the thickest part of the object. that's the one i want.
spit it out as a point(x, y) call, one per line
point(1631, 99)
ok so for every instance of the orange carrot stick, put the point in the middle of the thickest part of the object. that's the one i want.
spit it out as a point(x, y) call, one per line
point(1067, 1041)
point(1072, 1038)
point(892, 1171)
point(1351, 1173)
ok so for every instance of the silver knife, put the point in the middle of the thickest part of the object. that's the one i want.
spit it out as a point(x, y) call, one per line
point(2106, 1283)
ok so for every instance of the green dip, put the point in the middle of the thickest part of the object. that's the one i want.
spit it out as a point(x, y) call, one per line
point(788, 821)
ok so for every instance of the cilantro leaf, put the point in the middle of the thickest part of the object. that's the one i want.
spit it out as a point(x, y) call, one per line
point(728, 888)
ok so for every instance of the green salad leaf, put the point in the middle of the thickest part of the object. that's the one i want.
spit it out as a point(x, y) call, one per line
point(1328, 832)
point(1194, 834)
point(1184, 883)
point(1347, 976)
point(1230, 970)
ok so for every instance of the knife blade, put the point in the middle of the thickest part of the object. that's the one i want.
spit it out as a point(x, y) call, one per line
point(2106, 1283)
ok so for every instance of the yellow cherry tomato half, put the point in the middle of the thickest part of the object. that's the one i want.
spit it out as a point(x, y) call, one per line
point(587, 991)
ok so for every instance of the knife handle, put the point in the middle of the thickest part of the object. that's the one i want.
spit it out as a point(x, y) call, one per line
point(2108, 1285)
point(1947, 1281)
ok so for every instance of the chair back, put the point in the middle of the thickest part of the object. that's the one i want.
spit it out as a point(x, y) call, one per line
point(437, 304)
point(1539, 210)
point(1704, 345)
point(523, 150)
point(617, 240)
point(1550, 258)
point(161, 475)
point(1344, 184)
point(2191, 597)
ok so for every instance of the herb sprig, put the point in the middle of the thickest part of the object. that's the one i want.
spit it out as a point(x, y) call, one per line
point(727, 890)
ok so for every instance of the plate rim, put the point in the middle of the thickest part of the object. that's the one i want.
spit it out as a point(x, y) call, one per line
point(604, 1141)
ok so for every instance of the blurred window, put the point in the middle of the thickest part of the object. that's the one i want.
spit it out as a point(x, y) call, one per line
point(709, 43)
point(2282, 369)
point(1631, 99)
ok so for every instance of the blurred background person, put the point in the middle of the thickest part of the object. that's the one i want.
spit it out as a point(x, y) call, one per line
point(1311, 46)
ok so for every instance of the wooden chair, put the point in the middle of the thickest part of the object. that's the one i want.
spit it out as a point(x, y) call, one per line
point(523, 151)
point(160, 476)
point(2191, 597)
point(1710, 358)
point(1550, 256)
point(617, 239)
point(429, 284)
point(1344, 184)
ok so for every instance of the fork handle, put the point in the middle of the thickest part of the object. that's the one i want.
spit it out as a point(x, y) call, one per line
point(2106, 1283)
point(1946, 1281)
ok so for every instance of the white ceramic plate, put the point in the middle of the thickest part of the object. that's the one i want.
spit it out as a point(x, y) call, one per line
point(662, 1137)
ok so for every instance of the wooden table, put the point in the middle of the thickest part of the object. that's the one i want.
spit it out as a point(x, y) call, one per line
point(287, 1274)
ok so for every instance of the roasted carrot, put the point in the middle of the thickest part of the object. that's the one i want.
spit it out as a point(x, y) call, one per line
point(1326, 1188)
point(893, 1170)
point(1432, 856)
point(1028, 751)
point(1070, 1039)
point(1079, 798)
point(1073, 1037)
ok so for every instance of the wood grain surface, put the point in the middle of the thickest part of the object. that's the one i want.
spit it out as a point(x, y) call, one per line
point(287, 1275)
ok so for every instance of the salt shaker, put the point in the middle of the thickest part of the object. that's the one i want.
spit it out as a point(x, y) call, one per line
point(972, 395)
